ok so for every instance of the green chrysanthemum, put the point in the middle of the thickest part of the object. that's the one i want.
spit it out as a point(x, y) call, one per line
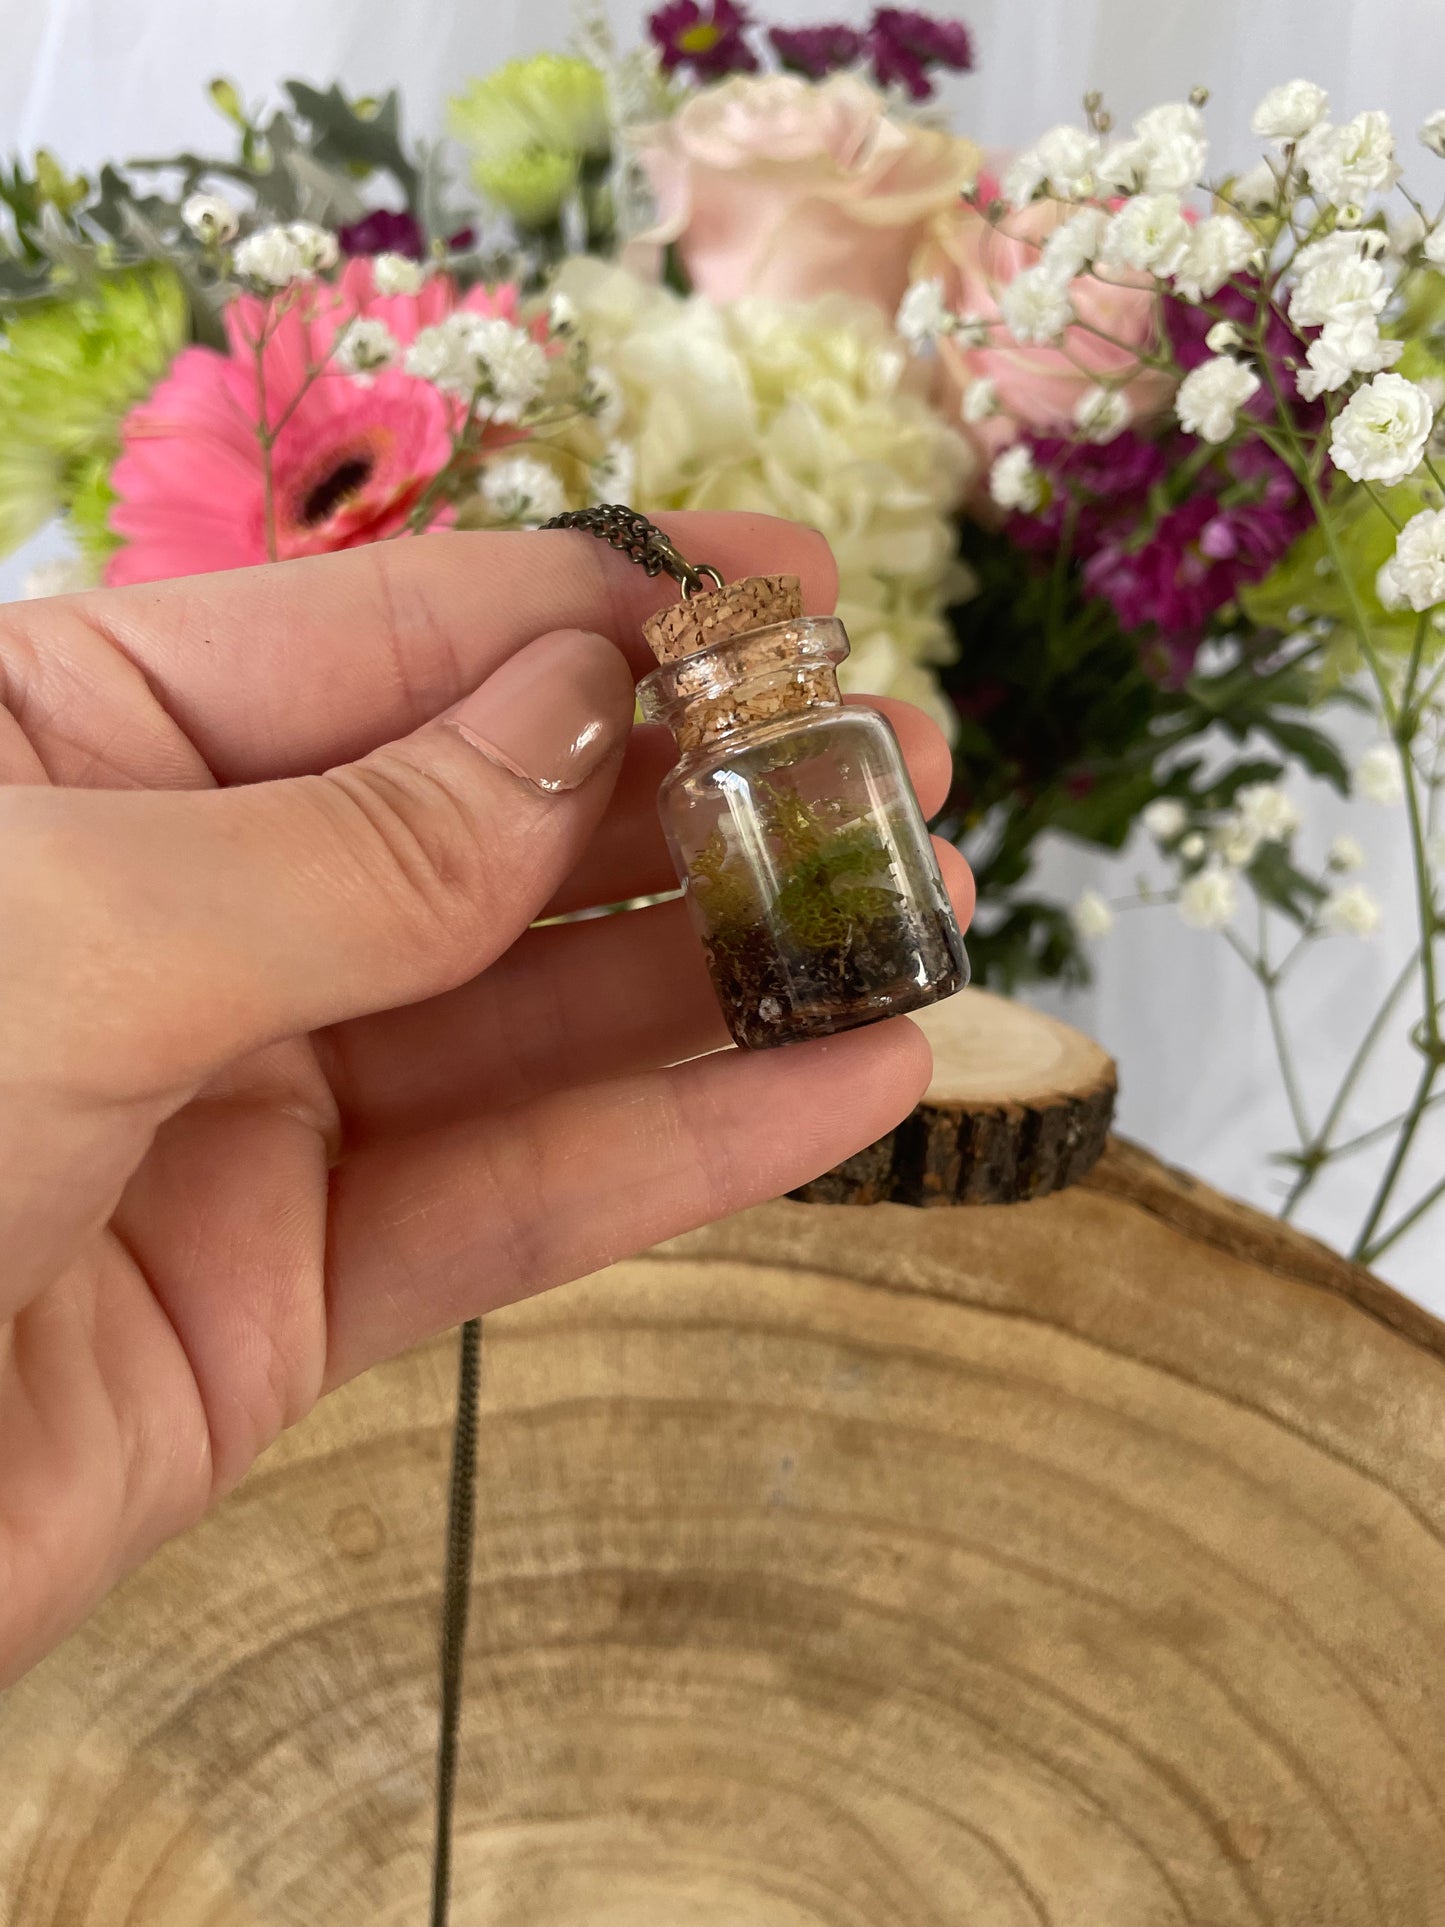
point(532, 127)
point(69, 370)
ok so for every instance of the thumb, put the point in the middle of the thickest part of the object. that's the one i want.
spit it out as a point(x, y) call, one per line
point(165, 933)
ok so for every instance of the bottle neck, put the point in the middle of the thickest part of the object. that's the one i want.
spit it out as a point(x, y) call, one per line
point(747, 683)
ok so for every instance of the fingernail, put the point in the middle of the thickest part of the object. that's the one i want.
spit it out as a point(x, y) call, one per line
point(552, 712)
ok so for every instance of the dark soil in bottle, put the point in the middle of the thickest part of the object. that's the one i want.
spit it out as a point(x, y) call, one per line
point(773, 992)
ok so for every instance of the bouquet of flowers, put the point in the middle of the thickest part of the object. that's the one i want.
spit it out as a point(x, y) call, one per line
point(1132, 480)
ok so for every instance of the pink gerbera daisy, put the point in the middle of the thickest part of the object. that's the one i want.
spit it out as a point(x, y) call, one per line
point(351, 461)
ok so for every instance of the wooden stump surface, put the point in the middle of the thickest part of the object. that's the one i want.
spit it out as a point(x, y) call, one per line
point(1077, 1564)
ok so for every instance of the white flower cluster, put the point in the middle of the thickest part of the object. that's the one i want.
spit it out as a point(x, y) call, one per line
point(1414, 577)
point(397, 274)
point(1165, 154)
point(924, 318)
point(1381, 432)
point(1014, 483)
point(364, 346)
point(285, 252)
point(1342, 290)
point(211, 218)
point(1348, 166)
point(523, 490)
point(1210, 397)
point(484, 360)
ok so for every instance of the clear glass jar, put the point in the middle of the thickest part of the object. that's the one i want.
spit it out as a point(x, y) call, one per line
point(799, 841)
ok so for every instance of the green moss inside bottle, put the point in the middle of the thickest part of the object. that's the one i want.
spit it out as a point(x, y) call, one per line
point(796, 833)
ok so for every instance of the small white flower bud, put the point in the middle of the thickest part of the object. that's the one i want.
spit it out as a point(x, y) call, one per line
point(211, 218)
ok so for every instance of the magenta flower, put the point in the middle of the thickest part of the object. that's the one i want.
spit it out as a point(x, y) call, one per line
point(707, 37)
point(817, 52)
point(905, 44)
point(384, 231)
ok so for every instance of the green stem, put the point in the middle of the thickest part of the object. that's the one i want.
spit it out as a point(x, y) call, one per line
point(1365, 1139)
point(1365, 1246)
point(1397, 1230)
point(1258, 966)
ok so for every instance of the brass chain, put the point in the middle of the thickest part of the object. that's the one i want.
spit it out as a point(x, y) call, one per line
point(641, 542)
point(645, 544)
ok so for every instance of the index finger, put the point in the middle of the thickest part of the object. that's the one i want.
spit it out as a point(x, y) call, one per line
point(292, 668)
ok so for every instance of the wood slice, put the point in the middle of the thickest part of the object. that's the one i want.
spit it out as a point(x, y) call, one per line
point(1076, 1564)
point(1020, 1105)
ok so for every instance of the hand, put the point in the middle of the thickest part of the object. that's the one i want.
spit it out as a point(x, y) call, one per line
point(287, 1083)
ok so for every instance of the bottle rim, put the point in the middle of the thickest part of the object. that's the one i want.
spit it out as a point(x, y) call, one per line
point(801, 643)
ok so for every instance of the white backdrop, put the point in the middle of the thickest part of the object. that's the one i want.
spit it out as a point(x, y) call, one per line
point(98, 78)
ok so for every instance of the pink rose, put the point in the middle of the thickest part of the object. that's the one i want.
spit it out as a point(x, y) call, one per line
point(786, 187)
point(1039, 387)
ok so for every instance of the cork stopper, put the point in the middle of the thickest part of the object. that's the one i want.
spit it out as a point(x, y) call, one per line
point(719, 614)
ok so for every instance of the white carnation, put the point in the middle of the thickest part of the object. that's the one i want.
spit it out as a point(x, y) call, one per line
point(1348, 165)
point(1165, 156)
point(1209, 899)
point(1350, 911)
point(1102, 413)
point(1290, 112)
point(923, 314)
point(211, 218)
point(1380, 433)
point(1432, 133)
point(1268, 811)
point(365, 345)
point(1149, 232)
point(270, 256)
point(1063, 161)
point(1210, 397)
point(522, 489)
point(1378, 777)
point(1165, 818)
point(1347, 853)
point(397, 274)
point(1035, 308)
point(1416, 571)
point(1218, 247)
point(980, 399)
point(1092, 916)
point(1072, 245)
point(1014, 482)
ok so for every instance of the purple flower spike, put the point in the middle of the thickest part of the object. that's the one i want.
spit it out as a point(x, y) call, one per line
point(707, 37)
point(905, 44)
point(817, 51)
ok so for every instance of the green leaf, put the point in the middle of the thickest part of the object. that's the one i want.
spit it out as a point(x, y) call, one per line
point(344, 136)
point(1311, 747)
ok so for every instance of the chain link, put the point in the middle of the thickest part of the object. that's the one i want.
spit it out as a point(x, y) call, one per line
point(641, 542)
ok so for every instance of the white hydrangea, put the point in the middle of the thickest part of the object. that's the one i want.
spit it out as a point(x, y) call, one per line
point(1218, 247)
point(1346, 166)
point(1289, 112)
point(1165, 818)
point(1210, 397)
point(1063, 161)
point(1092, 916)
point(397, 274)
point(1100, 414)
point(1347, 853)
point(270, 256)
point(1432, 133)
point(1380, 433)
point(1149, 233)
point(1035, 308)
point(522, 489)
point(1209, 899)
point(365, 345)
point(1014, 482)
point(1350, 911)
point(1378, 776)
point(211, 218)
point(1166, 155)
point(980, 399)
point(1415, 573)
point(1072, 245)
point(1268, 811)
point(794, 409)
point(923, 314)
